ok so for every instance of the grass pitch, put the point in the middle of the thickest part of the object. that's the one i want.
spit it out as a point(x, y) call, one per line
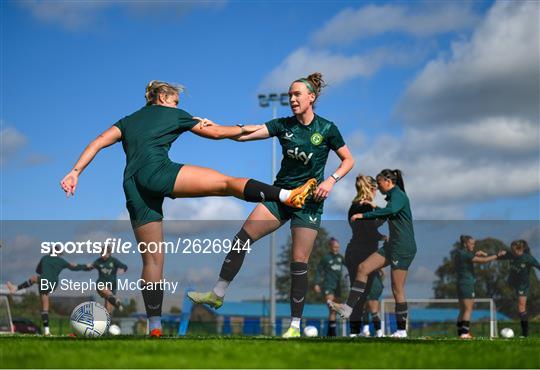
point(249, 352)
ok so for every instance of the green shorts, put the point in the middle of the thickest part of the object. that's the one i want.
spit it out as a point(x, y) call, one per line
point(47, 288)
point(465, 290)
point(399, 259)
point(335, 291)
point(146, 190)
point(376, 290)
point(521, 288)
point(309, 216)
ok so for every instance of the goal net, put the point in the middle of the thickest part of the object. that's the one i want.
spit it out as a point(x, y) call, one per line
point(438, 317)
point(6, 325)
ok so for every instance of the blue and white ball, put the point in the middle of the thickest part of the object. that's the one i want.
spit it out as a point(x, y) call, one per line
point(311, 331)
point(90, 319)
point(507, 333)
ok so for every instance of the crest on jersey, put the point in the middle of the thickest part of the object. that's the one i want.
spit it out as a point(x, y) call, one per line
point(316, 139)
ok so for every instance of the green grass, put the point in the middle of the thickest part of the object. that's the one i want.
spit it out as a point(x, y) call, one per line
point(249, 352)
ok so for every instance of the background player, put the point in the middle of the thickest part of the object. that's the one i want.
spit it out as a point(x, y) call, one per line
point(150, 176)
point(521, 264)
point(399, 252)
point(48, 271)
point(306, 140)
point(464, 260)
point(108, 267)
point(364, 242)
point(328, 280)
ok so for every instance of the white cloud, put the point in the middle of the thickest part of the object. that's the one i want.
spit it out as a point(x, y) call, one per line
point(11, 141)
point(371, 20)
point(421, 275)
point(471, 122)
point(336, 68)
point(494, 74)
point(77, 15)
point(209, 208)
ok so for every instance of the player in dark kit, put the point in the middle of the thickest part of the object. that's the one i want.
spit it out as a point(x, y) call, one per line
point(464, 260)
point(328, 280)
point(521, 264)
point(150, 176)
point(364, 242)
point(107, 267)
point(398, 252)
point(48, 271)
point(306, 139)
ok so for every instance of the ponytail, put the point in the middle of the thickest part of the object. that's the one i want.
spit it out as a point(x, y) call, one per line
point(396, 176)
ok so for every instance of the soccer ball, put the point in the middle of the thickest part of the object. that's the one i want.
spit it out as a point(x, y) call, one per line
point(507, 333)
point(90, 319)
point(114, 330)
point(310, 331)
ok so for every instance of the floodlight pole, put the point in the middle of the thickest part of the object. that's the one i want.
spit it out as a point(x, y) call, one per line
point(265, 101)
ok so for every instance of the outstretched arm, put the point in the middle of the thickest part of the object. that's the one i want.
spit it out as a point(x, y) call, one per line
point(347, 163)
point(105, 139)
point(212, 130)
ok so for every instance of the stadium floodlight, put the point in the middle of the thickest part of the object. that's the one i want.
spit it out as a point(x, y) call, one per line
point(265, 100)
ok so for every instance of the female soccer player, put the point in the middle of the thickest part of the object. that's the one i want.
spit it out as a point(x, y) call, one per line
point(150, 176)
point(48, 272)
point(373, 297)
point(521, 263)
point(328, 277)
point(306, 139)
point(108, 267)
point(464, 260)
point(399, 252)
point(364, 242)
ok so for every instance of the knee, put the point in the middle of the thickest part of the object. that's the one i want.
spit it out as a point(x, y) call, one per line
point(362, 271)
point(300, 256)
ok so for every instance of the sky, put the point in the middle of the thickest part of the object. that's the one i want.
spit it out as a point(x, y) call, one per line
point(447, 92)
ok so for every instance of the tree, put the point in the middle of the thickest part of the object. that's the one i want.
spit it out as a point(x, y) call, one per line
point(491, 280)
point(283, 280)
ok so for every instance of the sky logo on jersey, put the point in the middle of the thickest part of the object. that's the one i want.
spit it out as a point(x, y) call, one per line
point(301, 156)
point(316, 139)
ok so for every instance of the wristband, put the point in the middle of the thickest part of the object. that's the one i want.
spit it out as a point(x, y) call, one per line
point(336, 177)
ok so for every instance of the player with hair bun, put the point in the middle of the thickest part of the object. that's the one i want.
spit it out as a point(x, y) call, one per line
point(150, 176)
point(521, 264)
point(306, 140)
point(464, 260)
point(398, 252)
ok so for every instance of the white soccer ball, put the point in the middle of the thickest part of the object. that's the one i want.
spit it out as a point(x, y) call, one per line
point(114, 330)
point(507, 333)
point(90, 319)
point(311, 331)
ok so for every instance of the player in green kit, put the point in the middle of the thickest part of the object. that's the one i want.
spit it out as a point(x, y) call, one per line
point(328, 280)
point(107, 267)
point(398, 252)
point(48, 272)
point(306, 139)
point(521, 264)
point(372, 310)
point(150, 176)
point(464, 260)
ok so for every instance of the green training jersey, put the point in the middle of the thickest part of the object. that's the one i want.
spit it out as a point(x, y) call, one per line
point(147, 135)
point(108, 268)
point(400, 220)
point(464, 266)
point(49, 267)
point(304, 148)
point(520, 268)
point(328, 274)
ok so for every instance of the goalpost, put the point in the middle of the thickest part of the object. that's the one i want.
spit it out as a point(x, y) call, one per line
point(6, 324)
point(437, 317)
